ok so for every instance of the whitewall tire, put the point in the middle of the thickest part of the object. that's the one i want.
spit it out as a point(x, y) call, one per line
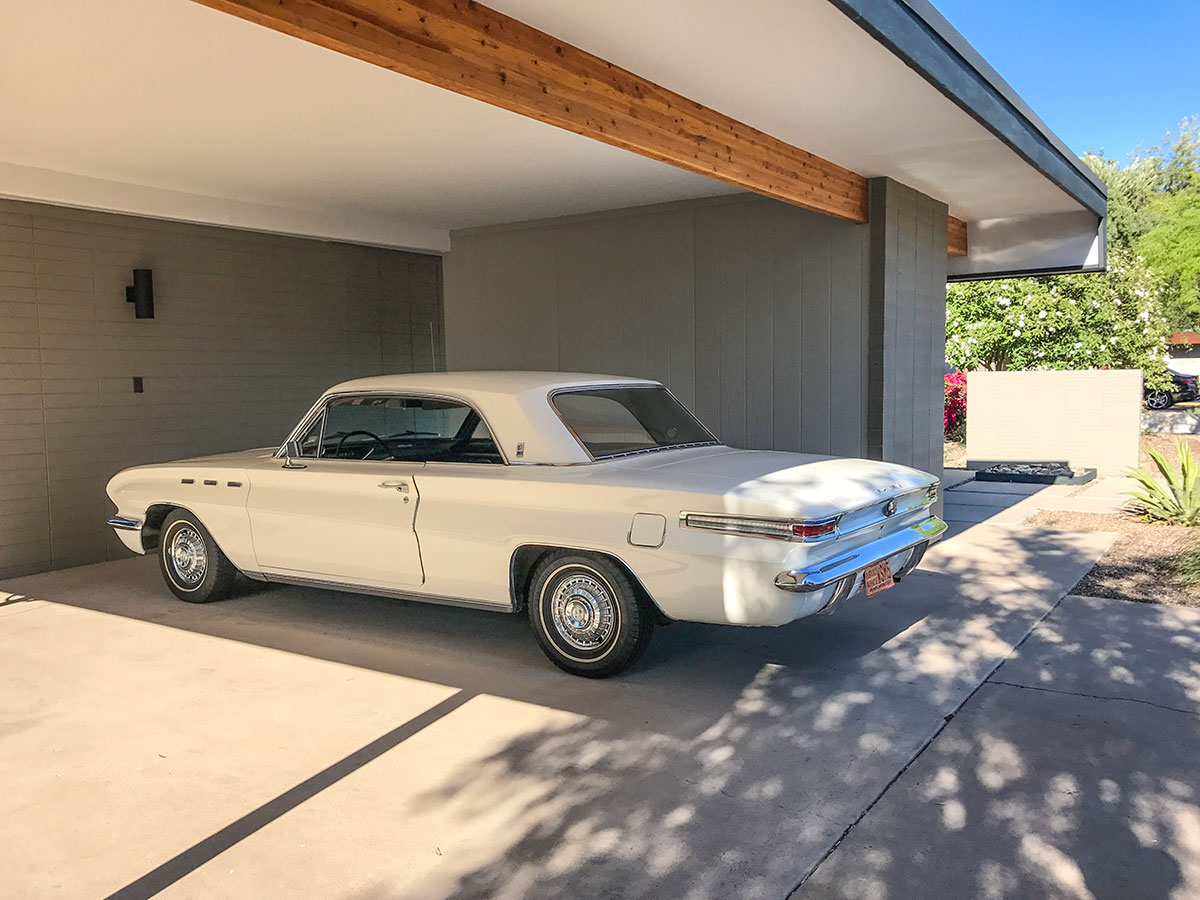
point(587, 615)
point(192, 564)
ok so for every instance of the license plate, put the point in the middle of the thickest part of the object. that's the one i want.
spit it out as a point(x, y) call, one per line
point(878, 577)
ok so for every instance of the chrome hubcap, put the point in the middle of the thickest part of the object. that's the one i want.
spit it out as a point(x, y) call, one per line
point(583, 612)
point(188, 556)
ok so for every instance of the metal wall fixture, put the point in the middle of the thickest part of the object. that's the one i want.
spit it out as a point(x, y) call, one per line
point(141, 294)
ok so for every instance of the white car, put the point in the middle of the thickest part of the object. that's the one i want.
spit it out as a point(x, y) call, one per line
point(598, 504)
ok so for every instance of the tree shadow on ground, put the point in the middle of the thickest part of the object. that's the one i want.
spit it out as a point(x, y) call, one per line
point(1072, 773)
point(725, 766)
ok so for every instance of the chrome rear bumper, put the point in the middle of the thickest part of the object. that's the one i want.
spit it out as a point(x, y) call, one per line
point(823, 574)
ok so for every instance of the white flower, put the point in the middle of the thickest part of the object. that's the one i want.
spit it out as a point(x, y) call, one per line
point(1042, 314)
point(1078, 344)
point(1113, 339)
point(1017, 332)
point(1004, 301)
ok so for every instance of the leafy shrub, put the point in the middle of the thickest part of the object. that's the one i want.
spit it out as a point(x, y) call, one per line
point(1178, 501)
point(1185, 568)
point(954, 419)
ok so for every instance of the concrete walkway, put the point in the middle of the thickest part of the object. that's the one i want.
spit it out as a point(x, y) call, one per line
point(1007, 503)
point(298, 743)
point(1073, 772)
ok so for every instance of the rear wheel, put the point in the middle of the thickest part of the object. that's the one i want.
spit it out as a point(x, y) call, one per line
point(192, 564)
point(1159, 400)
point(586, 614)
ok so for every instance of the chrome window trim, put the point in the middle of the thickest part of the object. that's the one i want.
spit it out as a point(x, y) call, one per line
point(323, 401)
point(619, 385)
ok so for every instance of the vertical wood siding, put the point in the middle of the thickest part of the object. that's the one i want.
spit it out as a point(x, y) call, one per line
point(753, 311)
point(907, 331)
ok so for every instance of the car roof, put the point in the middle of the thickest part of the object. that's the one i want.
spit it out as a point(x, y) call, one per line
point(496, 382)
point(515, 406)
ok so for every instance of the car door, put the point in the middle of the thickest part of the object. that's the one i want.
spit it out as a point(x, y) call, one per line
point(345, 510)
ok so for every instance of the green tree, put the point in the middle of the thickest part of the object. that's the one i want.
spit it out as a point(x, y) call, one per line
point(1172, 242)
point(1118, 318)
point(1131, 193)
point(1060, 321)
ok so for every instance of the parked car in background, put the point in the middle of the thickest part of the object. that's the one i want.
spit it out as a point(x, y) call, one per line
point(1183, 390)
point(599, 505)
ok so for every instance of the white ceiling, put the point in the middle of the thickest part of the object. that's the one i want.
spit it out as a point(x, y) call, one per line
point(164, 107)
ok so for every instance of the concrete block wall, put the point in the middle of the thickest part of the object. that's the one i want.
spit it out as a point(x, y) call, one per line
point(248, 329)
point(907, 326)
point(1084, 419)
point(753, 312)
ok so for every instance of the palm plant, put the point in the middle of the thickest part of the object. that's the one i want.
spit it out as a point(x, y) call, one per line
point(1176, 502)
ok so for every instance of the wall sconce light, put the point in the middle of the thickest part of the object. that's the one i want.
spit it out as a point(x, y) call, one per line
point(141, 294)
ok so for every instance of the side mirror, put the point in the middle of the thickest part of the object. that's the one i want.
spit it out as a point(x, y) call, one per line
point(291, 450)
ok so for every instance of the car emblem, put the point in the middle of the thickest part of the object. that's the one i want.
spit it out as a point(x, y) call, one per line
point(889, 508)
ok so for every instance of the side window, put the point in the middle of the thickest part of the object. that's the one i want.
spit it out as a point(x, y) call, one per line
point(310, 440)
point(408, 429)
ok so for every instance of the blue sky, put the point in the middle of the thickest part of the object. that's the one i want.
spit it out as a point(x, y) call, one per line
point(1104, 74)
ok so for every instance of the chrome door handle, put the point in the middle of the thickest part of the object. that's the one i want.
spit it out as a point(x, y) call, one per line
point(401, 486)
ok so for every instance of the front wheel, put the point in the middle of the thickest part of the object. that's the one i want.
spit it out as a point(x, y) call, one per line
point(192, 564)
point(1159, 400)
point(587, 615)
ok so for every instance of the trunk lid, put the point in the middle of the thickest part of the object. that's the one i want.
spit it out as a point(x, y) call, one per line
point(788, 485)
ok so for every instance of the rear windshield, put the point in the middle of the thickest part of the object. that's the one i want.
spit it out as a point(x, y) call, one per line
point(614, 421)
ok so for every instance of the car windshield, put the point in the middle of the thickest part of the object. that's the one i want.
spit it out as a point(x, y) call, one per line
point(615, 421)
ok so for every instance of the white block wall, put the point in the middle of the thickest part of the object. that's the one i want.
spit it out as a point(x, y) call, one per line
point(1084, 419)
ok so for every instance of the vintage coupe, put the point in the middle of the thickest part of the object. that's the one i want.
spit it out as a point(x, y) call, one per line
point(598, 504)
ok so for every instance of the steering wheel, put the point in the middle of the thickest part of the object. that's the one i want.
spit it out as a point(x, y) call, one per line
point(376, 438)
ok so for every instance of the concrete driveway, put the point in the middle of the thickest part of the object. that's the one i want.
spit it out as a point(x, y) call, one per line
point(299, 743)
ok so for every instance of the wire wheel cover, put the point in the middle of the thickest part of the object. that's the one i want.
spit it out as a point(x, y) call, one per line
point(583, 611)
point(188, 555)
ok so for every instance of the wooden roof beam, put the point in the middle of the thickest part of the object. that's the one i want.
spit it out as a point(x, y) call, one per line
point(467, 48)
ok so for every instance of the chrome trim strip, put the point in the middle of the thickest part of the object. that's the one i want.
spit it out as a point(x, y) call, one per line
point(751, 520)
point(302, 581)
point(880, 519)
point(125, 524)
point(815, 577)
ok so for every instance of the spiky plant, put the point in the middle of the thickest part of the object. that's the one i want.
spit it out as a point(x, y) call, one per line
point(1176, 502)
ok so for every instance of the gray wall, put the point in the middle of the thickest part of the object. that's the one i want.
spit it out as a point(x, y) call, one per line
point(907, 289)
point(753, 311)
point(248, 329)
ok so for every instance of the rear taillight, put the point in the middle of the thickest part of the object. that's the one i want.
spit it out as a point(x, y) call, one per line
point(811, 530)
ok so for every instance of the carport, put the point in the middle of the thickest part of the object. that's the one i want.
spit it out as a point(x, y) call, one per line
point(757, 203)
